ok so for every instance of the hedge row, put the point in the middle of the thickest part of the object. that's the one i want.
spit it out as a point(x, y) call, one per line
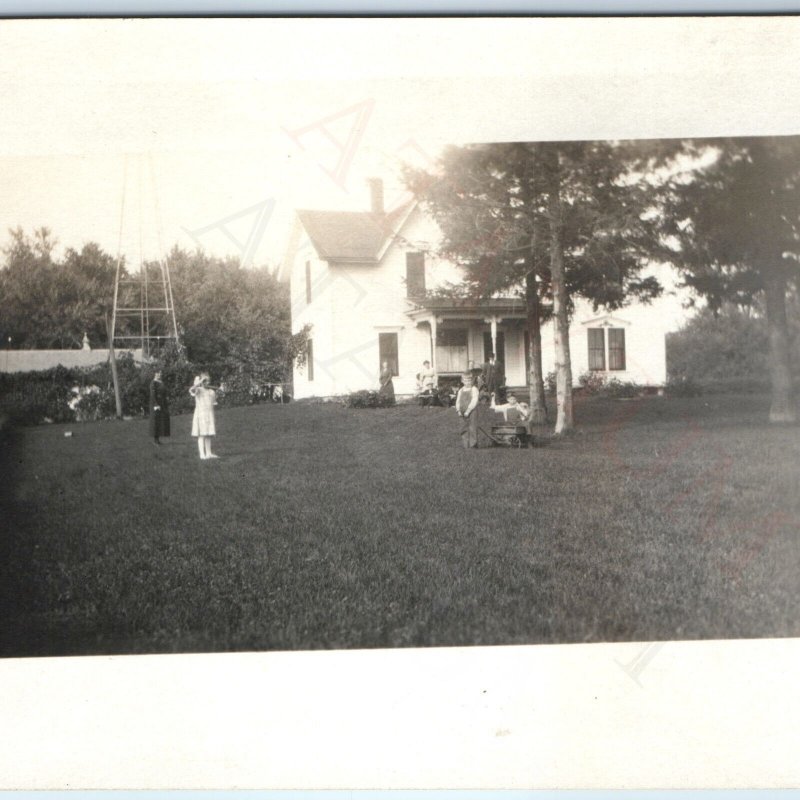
point(77, 394)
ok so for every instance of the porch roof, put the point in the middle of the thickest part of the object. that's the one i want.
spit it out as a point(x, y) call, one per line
point(465, 308)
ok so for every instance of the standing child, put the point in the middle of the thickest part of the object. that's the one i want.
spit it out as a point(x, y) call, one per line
point(466, 402)
point(159, 409)
point(203, 422)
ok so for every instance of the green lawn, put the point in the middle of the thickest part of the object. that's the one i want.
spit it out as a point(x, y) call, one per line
point(322, 527)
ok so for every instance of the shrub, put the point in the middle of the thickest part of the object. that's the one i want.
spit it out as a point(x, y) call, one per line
point(92, 403)
point(592, 382)
point(367, 399)
point(621, 389)
point(29, 398)
point(683, 387)
point(598, 383)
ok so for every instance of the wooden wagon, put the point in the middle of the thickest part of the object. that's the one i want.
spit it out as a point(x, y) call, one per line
point(510, 435)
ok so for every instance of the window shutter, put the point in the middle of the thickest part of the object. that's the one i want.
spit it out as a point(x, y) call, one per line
point(616, 348)
point(310, 359)
point(597, 348)
point(308, 281)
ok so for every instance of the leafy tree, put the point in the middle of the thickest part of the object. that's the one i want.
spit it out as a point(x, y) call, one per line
point(727, 348)
point(549, 221)
point(233, 318)
point(733, 228)
point(51, 304)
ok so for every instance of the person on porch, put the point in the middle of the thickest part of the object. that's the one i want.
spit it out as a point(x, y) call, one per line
point(385, 383)
point(426, 384)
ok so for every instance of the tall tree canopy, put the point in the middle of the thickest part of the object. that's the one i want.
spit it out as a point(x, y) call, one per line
point(549, 221)
point(228, 316)
point(49, 303)
point(732, 226)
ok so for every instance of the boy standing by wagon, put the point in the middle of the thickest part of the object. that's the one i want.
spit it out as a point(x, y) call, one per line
point(466, 403)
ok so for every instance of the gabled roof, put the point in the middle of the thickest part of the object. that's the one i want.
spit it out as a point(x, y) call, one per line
point(352, 235)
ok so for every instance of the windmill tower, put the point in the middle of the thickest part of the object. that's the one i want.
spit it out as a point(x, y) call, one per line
point(143, 316)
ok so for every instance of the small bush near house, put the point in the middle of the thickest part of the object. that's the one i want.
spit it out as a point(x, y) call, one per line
point(622, 389)
point(367, 399)
point(596, 383)
point(592, 382)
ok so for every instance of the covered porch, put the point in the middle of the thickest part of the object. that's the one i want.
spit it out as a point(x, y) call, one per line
point(462, 335)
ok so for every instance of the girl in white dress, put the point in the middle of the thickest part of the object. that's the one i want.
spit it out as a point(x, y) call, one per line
point(203, 428)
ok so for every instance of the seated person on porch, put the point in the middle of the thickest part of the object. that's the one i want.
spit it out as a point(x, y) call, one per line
point(512, 411)
point(426, 380)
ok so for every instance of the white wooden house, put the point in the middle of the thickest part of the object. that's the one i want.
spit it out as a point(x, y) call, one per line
point(359, 280)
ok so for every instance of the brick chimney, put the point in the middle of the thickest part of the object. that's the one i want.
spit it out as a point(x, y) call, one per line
point(376, 195)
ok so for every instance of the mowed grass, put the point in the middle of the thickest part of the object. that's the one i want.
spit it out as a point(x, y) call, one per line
point(321, 527)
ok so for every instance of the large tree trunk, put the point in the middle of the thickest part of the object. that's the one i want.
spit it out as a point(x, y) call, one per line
point(564, 420)
point(538, 403)
point(782, 408)
point(536, 377)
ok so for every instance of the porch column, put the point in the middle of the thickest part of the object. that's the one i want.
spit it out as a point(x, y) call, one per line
point(433, 343)
point(493, 326)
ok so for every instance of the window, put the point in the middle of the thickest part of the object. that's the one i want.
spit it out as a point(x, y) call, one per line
point(415, 274)
point(310, 359)
point(597, 348)
point(616, 348)
point(387, 351)
point(500, 353)
point(308, 281)
point(451, 350)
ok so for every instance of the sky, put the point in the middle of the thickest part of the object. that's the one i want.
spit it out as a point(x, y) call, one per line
point(141, 134)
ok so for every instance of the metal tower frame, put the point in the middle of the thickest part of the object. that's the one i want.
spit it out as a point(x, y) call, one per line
point(145, 313)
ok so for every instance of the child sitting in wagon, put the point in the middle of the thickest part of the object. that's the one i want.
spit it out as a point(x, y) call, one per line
point(512, 411)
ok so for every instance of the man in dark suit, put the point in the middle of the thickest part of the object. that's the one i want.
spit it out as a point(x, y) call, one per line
point(493, 378)
point(159, 409)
